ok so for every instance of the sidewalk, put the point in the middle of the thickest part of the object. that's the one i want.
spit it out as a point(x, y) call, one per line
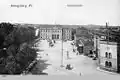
point(113, 73)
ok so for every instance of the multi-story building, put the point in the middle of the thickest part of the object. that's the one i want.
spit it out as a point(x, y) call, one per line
point(55, 32)
point(51, 33)
point(108, 51)
point(67, 33)
point(109, 56)
point(45, 33)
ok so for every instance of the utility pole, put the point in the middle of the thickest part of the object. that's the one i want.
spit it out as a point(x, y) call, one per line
point(107, 35)
point(107, 32)
point(62, 50)
point(62, 34)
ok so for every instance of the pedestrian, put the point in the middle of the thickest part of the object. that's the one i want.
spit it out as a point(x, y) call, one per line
point(68, 67)
point(54, 41)
point(95, 53)
point(80, 74)
point(78, 53)
point(71, 67)
point(67, 55)
point(91, 53)
point(73, 50)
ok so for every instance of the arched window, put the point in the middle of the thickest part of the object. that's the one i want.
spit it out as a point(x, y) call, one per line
point(106, 54)
point(110, 64)
point(110, 55)
point(106, 64)
point(57, 36)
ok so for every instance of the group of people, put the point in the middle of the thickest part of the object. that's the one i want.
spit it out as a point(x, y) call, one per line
point(69, 67)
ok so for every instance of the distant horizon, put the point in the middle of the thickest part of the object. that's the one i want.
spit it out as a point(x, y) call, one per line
point(57, 23)
point(60, 24)
point(79, 12)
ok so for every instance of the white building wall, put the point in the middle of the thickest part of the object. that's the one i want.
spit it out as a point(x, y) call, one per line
point(56, 31)
point(112, 48)
point(36, 32)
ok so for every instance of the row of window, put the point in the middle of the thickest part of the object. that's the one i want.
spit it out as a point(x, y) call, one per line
point(67, 30)
point(50, 31)
point(108, 55)
point(45, 31)
point(55, 36)
point(54, 31)
point(67, 37)
point(108, 64)
point(44, 37)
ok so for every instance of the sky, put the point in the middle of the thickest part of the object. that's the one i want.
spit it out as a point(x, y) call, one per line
point(96, 12)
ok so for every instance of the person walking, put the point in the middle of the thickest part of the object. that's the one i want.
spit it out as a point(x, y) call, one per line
point(77, 53)
point(54, 41)
point(67, 55)
point(91, 53)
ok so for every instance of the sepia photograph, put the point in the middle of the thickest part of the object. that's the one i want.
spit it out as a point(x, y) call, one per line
point(60, 38)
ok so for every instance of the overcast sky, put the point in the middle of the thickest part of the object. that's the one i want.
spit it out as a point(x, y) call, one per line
point(55, 11)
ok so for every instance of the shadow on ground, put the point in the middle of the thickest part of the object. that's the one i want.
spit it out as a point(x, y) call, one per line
point(39, 67)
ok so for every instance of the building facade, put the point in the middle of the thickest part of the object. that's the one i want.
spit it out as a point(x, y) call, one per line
point(67, 33)
point(55, 33)
point(51, 33)
point(109, 56)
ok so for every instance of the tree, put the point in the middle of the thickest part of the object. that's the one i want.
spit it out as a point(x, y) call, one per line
point(17, 41)
point(5, 29)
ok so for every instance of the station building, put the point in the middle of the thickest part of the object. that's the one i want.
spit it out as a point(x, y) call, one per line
point(51, 33)
point(55, 32)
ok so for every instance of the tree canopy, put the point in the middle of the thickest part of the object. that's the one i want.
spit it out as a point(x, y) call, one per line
point(18, 53)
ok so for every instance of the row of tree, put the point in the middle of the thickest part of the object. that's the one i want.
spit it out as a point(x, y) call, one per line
point(16, 51)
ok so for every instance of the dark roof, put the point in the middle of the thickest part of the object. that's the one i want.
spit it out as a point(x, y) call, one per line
point(113, 36)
